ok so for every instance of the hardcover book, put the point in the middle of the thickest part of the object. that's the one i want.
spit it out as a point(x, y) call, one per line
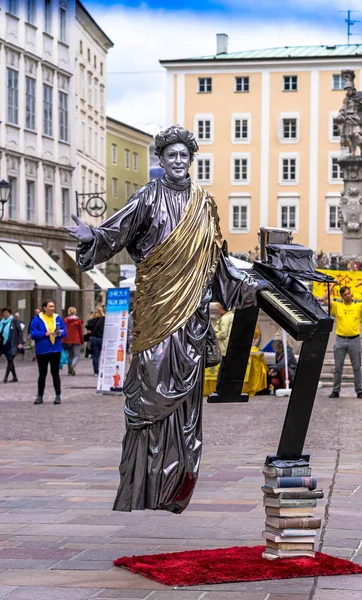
point(285, 502)
point(293, 522)
point(291, 482)
point(290, 532)
point(271, 553)
point(289, 545)
point(272, 471)
point(300, 492)
point(289, 511)
point(290, 539)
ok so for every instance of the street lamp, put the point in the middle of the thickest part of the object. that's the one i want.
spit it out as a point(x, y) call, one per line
point(5, 188)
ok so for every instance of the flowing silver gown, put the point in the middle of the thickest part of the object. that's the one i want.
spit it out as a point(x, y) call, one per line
point(161, 449)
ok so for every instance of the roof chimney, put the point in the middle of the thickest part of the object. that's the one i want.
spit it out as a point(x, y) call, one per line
point(222, 43)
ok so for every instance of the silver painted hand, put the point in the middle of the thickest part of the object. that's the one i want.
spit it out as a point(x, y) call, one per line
point(81, 232)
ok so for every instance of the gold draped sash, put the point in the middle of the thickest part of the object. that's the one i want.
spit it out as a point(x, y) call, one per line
point(171, 281)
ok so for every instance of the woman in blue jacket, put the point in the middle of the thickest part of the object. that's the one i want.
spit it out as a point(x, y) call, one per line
point(47, 330)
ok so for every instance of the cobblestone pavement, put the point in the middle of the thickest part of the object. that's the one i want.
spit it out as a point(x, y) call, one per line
point(59, 474)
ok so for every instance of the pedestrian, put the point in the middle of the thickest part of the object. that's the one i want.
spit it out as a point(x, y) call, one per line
point(222, 331)
point(277, 374)
point(95, 327)
point(348, 314)
point(74, 339)
point(47, 330)
point(12, 341)
point(32, 343)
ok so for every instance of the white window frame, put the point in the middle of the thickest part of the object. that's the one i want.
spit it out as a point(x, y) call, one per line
point(47, 110)
point(332, 200)
point(337, 89)
point(89, 88)
point(62, 25)
point(240, 117)
point(135, 161)
point(82, 83)
point(284, 155)
point(240, 155)
point(333, 139)
point(114, 154)
point(65, 206)
point(12, 203)
point(288, 116)
point(30, 206)
point(127, 190)
point(204, 117)
point(332, 181)
point(239, 200)
point(199, 91)
point(83, 136)
point(49, 204)
point(235, 84)
point(101, 144)
point(63, 116)
point(114, 187)
point(12, 92)
point(284, 82)
point(288, 200)
point(127, 158)
point(48, 9)
point(30, 103)
point(30, 12)
point(202, 156)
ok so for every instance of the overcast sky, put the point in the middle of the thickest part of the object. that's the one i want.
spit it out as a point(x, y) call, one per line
point(145, 32)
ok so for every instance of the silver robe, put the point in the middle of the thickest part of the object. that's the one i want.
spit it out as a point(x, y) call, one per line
point(161, 449)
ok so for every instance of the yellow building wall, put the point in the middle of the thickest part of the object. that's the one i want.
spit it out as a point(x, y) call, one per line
point(222, 103)
point(290, 102)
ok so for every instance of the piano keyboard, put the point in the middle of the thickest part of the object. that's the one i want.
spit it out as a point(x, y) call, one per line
point(285, 306)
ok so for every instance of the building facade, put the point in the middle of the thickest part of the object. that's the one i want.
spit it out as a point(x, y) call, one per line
point(127, 170)
point(92, 45)
point(269, 142)
point(38, 150)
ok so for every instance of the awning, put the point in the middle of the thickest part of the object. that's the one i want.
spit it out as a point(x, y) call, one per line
point(95, 274)
point(12, 275)
point(51, 267)
point(23, 259)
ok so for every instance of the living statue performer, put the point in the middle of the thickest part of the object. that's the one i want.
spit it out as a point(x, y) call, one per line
point(349, 118)
point(170, 228)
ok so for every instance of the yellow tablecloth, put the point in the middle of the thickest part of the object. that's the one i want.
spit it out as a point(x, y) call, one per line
point(255, 376)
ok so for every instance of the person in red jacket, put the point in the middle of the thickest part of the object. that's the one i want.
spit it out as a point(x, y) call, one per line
point(74, 339)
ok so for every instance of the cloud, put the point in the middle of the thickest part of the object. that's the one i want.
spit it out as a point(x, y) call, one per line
point(143, 36)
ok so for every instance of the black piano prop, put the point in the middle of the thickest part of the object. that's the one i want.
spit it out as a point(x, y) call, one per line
point(289, 490)
point(290, 304)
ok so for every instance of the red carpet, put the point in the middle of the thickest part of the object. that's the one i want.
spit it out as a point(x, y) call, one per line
point(224, 565)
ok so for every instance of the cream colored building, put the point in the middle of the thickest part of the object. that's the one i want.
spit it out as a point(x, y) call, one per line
point(264, 121)
point(92, 46)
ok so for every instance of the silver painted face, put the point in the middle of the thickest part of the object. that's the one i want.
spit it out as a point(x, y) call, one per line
point(176, 161)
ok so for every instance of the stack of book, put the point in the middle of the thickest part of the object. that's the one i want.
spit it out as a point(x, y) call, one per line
point(290, 496)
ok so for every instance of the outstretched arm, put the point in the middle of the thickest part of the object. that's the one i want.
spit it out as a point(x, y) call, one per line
point(232, 288)
point(97, 245)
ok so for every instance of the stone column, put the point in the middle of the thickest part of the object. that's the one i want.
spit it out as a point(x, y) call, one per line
point(350, 207)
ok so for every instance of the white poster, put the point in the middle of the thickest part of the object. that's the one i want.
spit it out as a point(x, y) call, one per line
point(112, 364)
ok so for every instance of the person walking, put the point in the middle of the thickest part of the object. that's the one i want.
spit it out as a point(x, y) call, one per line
point(74, 338)
point(222, 331)
point(47, 330)
point(95, 326)
point(347, 314)
point(12, 341)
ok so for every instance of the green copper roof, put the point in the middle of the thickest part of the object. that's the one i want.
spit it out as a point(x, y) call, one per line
point(284, 52)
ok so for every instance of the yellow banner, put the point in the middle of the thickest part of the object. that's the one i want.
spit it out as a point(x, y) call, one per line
point(350, 278)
